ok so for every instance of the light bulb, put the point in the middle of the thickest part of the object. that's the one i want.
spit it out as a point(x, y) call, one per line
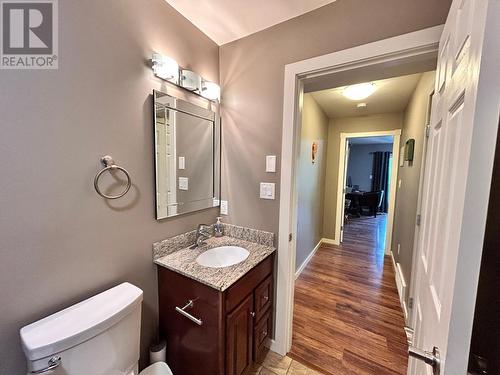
point(210, 90)
point(360, 91)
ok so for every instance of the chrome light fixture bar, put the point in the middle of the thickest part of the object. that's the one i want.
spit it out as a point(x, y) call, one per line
point(167, 69)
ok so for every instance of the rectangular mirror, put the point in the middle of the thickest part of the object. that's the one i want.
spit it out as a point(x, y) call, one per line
point(187, 156)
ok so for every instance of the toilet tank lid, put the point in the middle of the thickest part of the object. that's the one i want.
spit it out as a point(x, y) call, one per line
point(80, 322)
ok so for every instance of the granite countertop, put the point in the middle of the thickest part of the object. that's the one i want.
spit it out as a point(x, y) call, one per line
point(183, 259)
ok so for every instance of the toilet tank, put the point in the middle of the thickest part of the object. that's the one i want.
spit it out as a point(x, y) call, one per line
point(98, 336)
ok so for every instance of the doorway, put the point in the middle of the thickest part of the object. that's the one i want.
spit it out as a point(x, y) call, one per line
point(368, 162)
point(406, 54)
point(367, 187)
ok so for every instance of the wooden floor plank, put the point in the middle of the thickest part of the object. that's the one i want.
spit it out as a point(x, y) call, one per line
point(347, 316)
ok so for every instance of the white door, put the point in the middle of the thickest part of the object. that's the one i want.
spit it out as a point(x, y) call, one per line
point(464, 122)
point(344, 177)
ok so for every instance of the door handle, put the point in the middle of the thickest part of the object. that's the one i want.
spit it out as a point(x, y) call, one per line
point(430, 358)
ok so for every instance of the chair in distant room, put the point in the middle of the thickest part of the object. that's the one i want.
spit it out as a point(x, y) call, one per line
point(347, 205)
point(372, 200)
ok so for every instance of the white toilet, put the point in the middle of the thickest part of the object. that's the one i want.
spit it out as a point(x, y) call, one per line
point(98, 336)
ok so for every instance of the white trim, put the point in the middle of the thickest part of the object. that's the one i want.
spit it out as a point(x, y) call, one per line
point(396, 133)
point(407, 47)
point(400, 284)
point(329, 241)
point(306, 261)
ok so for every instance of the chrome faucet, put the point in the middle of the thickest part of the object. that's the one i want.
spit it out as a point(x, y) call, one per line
point(202, 233)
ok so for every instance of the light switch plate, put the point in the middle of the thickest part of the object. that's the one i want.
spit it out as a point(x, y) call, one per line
point(183, 183)
point(271, 163)
point(267, 190)
point(223, 208)
point(182, 162)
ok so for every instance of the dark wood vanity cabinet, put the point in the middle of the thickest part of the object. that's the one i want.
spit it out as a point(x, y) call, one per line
point(235, 323)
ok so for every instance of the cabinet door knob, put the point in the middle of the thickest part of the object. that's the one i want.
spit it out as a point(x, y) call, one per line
point(265, 298)
point(252, 314)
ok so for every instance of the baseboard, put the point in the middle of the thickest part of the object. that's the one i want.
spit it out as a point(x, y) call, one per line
point(271, 345)
point(400, 284)
point(306, 261)
point(329, 241)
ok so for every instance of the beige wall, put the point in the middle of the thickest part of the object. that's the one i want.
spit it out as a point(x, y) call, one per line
point(311, 178)
point(387, 121)
point(59, 241)
point(252, 71)
point(407, 195)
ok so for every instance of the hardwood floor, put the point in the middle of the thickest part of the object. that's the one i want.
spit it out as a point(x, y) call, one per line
point(347, 316)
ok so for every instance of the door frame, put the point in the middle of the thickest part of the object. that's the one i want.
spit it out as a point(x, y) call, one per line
point(399, 49)
point(396, 133)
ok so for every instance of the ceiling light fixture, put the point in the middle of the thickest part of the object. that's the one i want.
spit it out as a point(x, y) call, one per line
point(359, 91)
point(361, 105)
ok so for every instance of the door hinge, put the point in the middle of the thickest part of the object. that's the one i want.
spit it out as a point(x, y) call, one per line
point(341, 227)
point(427, 131)
point(419, 219)
point(290, 237)
point(410, 303)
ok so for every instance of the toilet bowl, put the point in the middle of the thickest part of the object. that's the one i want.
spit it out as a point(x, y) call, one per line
point(98, 336)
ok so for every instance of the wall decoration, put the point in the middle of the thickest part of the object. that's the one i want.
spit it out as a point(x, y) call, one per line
point(314, 151)
point(409, 149)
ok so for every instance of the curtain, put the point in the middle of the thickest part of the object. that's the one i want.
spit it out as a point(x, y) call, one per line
point(380, 176)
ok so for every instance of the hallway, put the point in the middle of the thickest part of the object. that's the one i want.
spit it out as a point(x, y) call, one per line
point(347, 316)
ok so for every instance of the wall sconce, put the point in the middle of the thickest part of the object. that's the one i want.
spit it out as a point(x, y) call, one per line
point(190, 80)
point(210, 90)
point(166, 68)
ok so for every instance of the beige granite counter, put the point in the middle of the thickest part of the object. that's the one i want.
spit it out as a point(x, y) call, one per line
point(183, 259)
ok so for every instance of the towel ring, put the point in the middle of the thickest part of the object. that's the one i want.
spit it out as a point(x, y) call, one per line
point(109, 164)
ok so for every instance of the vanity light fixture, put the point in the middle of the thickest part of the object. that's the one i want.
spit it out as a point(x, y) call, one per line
point(359, 91)
point(190, 80)
point(210, 90)
point(166, 68)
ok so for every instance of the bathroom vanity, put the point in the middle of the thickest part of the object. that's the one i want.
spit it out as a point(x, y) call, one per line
point(215, 320)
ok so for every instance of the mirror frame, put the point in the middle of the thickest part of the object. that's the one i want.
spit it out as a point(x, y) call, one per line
point(193, 109)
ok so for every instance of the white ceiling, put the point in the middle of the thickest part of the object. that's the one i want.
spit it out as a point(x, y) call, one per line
point(385, 139)
point(392, 95)
point(227, 20)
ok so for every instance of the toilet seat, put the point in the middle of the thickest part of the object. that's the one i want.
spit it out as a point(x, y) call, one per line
point(158, 368)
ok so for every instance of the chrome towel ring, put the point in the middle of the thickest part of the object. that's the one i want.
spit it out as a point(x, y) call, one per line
point(109, 164)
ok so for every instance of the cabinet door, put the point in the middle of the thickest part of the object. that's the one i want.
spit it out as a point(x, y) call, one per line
point(239, 338)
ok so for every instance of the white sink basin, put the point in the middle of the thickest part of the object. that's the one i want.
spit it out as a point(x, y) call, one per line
point(223, 256)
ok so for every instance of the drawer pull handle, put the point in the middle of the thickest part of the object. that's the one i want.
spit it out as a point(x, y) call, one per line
point(183, 311)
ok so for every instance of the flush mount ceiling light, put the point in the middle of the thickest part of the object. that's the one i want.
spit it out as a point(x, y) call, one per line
point(359, 91)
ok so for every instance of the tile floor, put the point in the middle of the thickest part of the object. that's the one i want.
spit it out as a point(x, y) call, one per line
point(274, 364)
